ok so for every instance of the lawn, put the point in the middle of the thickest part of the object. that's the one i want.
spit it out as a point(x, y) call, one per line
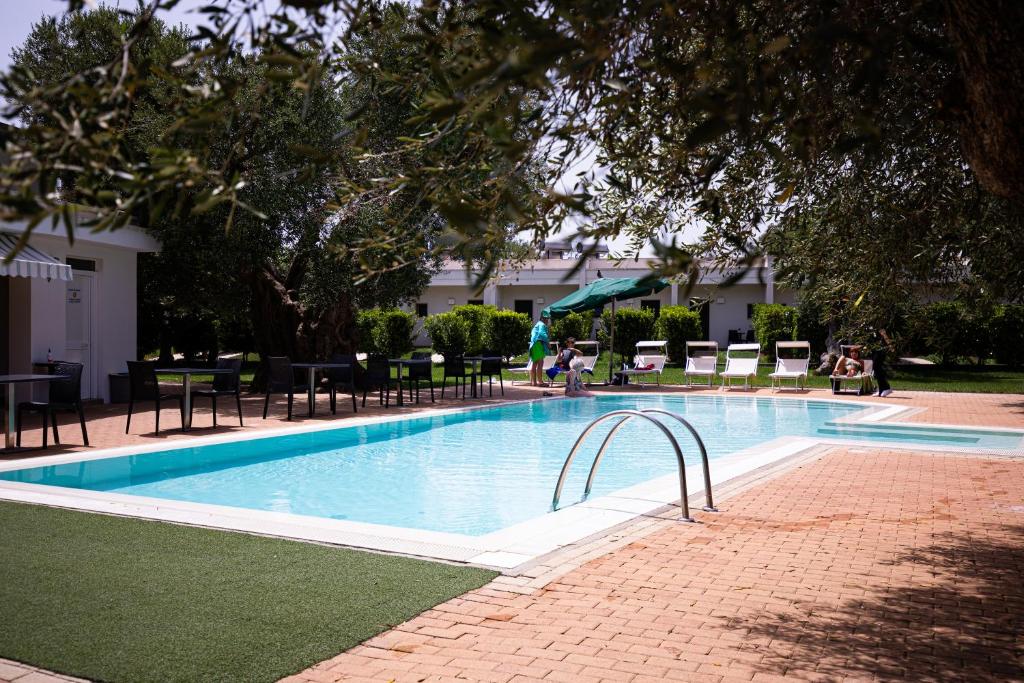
point(118, 599)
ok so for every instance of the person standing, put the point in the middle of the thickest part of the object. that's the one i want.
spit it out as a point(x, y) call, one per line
point(878, 363)
point(539, 342)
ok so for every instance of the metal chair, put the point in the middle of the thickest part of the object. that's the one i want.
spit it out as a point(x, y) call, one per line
point(419, 373)
point(223, 385)
point(455, 367)
point(490, 367)
point(282, 381)
point(64, 395)
point(378, 373)
point(143, 386)
point(341, 377)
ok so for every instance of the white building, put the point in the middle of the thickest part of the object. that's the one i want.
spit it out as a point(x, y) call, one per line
point(74, 302)
point(547, 279)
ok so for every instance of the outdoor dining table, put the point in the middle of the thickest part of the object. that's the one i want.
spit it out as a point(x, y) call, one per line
point(473, 360)
point(400, 363)
point(186, 374)
point(312, 368)
point(10, 381)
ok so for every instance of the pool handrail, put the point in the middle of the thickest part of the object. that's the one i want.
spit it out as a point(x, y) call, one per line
point(709, 505)
point(627, 415)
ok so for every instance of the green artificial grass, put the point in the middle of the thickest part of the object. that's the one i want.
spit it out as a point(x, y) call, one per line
point(118, 599)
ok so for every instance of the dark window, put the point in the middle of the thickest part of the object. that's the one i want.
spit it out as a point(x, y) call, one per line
point(421, 310)
point(653, 305)
point(81, 263)
point(750, 310)
point(475, 302)
point(524, 306)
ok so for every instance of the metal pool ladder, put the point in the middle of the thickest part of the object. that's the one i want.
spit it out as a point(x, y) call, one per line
point(626, 416)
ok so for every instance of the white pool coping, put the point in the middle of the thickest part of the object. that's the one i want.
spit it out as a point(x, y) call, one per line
point(504, 549)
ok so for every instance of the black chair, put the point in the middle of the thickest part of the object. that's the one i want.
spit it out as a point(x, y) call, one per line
point(751, 336)
point(490, 367)
point(223, 385)
point(64, 395)
point(378, 374)
point(340, 377)
point(282, 381)
point(143, 386)
point(419, 373)
point(455, 367)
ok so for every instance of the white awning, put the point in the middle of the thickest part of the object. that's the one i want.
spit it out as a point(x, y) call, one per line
point(30, 262)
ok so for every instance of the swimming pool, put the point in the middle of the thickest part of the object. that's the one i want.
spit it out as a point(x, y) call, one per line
point(473, 472)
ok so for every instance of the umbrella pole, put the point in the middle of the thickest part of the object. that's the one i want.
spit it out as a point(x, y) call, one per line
point(611, 349)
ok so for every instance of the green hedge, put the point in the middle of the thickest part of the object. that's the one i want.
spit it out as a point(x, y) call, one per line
point(510, 333)
point(773, 323)
point(1007, 334)
point(575, 325)
point(677, 325)
point(631, 325)
point(392, 336)
point(366, 325)
point(449, 333)
point(478, 319)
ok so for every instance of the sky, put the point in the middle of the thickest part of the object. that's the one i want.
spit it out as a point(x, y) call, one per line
point(17, 17)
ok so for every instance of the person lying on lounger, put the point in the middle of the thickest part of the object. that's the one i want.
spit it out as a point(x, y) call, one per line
point(849, 366)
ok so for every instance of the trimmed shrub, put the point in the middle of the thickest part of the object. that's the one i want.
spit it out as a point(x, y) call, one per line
point(677, 325)
point(631, 325)
point(509, 333)
point(477, 317)
point(773, 323)
point(940, 329)
point(809, 327)
point(366, 325)
point(449, 333)
point(392, 336)
point(1007, 334)
point(575, 325)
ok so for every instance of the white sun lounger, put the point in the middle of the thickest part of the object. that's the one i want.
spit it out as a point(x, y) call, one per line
point(737, 367)
point(648, 353)
point(549, 362)
point(791, 368)
point(701, 361)
point(862, 381)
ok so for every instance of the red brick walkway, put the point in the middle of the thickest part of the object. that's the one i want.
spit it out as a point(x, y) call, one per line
point(863, 565)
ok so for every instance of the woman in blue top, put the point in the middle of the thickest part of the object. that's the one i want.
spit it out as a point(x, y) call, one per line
point(538, 349)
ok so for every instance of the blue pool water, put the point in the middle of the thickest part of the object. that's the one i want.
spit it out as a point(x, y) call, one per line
point(472, 472)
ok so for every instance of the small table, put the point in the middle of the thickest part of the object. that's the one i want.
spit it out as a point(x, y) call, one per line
point(312, 368)
point(10, 381)
point(473, 360)
point(186, 374)
point(399, 363)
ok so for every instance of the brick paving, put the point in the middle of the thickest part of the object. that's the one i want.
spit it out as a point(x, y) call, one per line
point(862, 565)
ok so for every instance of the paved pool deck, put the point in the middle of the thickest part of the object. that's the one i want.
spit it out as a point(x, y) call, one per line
point(846, 564)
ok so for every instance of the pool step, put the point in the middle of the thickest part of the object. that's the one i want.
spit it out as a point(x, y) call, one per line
point(881, 432)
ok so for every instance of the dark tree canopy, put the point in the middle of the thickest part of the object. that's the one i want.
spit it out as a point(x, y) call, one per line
point(871, 147)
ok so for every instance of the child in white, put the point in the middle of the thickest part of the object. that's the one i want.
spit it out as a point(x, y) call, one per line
point(574, 379)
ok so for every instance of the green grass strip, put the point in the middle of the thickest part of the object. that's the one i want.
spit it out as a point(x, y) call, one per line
point(119, 599)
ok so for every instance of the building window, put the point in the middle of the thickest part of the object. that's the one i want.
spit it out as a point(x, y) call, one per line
point(83, 264)
point(750, 310)
point(421, 310)
point(524, 306)
point(475, 302)
point(652, 305)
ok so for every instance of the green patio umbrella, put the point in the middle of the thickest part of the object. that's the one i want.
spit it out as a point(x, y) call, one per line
point(600, 292)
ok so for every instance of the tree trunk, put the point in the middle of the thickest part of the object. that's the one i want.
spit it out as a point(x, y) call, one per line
point(986, 35)
point(283, 326)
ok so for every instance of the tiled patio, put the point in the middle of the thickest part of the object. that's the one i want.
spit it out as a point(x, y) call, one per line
point(860, 564)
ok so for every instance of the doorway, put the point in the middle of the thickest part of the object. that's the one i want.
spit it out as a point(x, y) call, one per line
point(524, 306)
point(78, 312)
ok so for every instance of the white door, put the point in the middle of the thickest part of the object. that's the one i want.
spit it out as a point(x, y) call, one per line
point(78, 330)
